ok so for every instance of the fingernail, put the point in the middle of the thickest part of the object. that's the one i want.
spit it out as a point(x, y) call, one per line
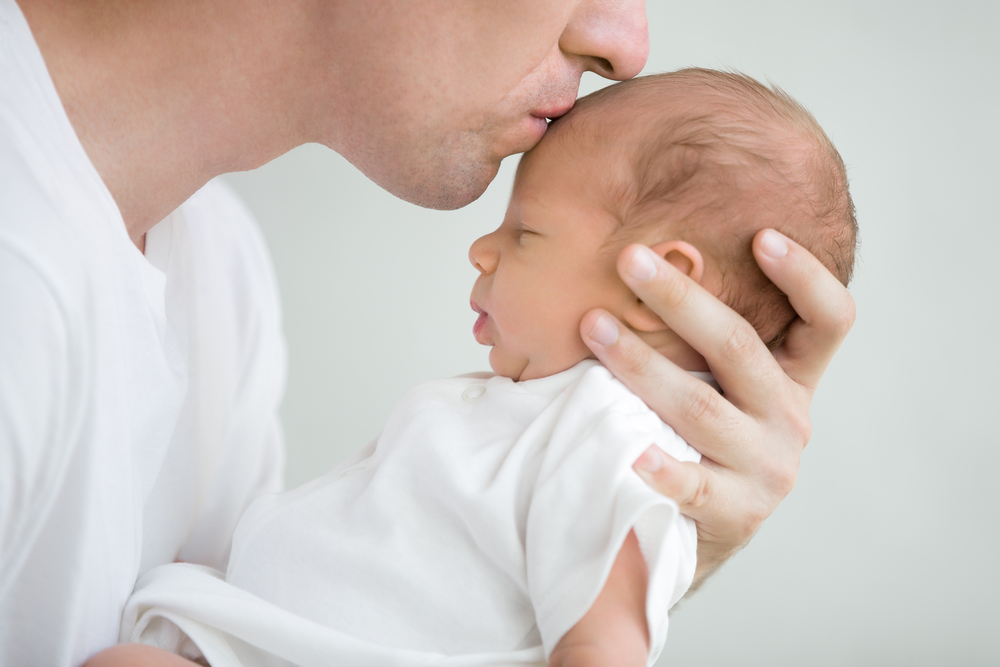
point(643, 265)
point(773, 244)
point(604, 331)
point(651, 460)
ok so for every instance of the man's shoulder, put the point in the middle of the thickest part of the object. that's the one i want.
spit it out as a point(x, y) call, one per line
point(227, 251)
point(26, 200)
point(46, 235)
point(218, 218)
point(219, 209)
point(224, 233)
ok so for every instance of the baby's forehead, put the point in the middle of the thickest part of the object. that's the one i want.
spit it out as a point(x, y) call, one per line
point(597, 143)
point(645, 135)
point(610, 132)
point(573, 170)
point(600, 129)
point(623, 115)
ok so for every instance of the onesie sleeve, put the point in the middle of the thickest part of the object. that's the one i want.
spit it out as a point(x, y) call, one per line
point(587, 498)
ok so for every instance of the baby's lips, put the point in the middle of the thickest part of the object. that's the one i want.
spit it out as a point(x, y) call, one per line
point(477, 329)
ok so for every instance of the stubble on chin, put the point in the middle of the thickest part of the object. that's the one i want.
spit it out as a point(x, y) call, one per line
point(460, 186)
point(446, 176)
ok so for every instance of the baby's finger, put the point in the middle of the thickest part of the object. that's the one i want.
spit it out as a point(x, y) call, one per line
point(825, 308)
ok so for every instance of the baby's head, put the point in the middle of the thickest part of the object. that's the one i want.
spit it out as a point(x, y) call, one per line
point(693, 164)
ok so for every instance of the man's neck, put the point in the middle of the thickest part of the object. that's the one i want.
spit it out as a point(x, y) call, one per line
point(165, 96)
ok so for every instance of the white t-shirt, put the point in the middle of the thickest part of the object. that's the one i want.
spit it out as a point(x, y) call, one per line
point(138, 394)
point(478, 529)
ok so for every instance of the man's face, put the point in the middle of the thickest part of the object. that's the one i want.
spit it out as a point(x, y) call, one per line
point(436, 93)
point(546, 266)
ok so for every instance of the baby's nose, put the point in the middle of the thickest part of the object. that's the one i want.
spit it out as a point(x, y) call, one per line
point(483, 255)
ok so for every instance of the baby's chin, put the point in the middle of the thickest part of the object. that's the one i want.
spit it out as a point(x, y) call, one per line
point(520, 368)
point(507, 365)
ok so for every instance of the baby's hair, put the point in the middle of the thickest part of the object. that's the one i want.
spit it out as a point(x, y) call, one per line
point(728, 158)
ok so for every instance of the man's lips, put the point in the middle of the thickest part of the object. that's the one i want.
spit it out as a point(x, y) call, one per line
point(553, 112)
point(538, 121)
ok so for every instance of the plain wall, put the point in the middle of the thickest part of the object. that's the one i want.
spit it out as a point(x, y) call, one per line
point(887, 551)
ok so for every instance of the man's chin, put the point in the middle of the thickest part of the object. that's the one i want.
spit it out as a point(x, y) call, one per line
point(444, 189)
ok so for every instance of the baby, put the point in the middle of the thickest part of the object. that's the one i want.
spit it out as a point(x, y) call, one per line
point(497, 520)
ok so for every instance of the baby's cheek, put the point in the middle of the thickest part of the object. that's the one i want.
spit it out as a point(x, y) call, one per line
point(565, 349)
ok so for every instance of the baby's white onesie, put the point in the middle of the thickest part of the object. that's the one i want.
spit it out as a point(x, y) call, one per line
point(480, 526)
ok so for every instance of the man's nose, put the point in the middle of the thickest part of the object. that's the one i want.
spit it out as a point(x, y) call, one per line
point(611, 34)
point(483, 255)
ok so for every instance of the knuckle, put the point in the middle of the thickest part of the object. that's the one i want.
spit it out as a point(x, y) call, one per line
point(741, 342)
point(781, 475)
point(797, 424)
point(839, 319)
point(634, 357)
point(752, 521)
point(675, 294)
point(702, 491)
point(785, 476)
point(848, 313)
point(702, 404)
point(802, 427)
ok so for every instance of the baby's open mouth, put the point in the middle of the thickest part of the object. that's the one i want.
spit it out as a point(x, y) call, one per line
point(480, 321)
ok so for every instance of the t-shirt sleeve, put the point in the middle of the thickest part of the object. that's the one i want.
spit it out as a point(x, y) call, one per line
point(36, 445)
point(587, 498)
point(249, 459)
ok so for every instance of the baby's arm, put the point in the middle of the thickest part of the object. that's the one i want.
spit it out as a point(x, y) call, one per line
point(614, 630)
point(137, 655)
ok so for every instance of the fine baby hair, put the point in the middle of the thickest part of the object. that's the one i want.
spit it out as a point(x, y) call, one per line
point(712, 158)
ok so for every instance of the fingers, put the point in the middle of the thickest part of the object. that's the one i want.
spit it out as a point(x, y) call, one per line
point(742, 364)
point(695, 410)
point(704, 493)
point(751, 437)
point(687, 483)
point(825, 308)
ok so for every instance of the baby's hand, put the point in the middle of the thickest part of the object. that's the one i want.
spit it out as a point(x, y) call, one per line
point(614, 630)
point(137, 655)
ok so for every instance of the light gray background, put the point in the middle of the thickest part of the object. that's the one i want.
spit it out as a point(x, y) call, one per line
point(887, 551)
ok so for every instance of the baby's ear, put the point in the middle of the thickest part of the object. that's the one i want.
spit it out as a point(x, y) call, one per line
point(684, 256)
point(687, 259)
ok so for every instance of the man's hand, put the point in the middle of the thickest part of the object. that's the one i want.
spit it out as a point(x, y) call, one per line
point(751, 438)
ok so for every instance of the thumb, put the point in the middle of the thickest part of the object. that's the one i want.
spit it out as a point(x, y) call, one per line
point(690, 485)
